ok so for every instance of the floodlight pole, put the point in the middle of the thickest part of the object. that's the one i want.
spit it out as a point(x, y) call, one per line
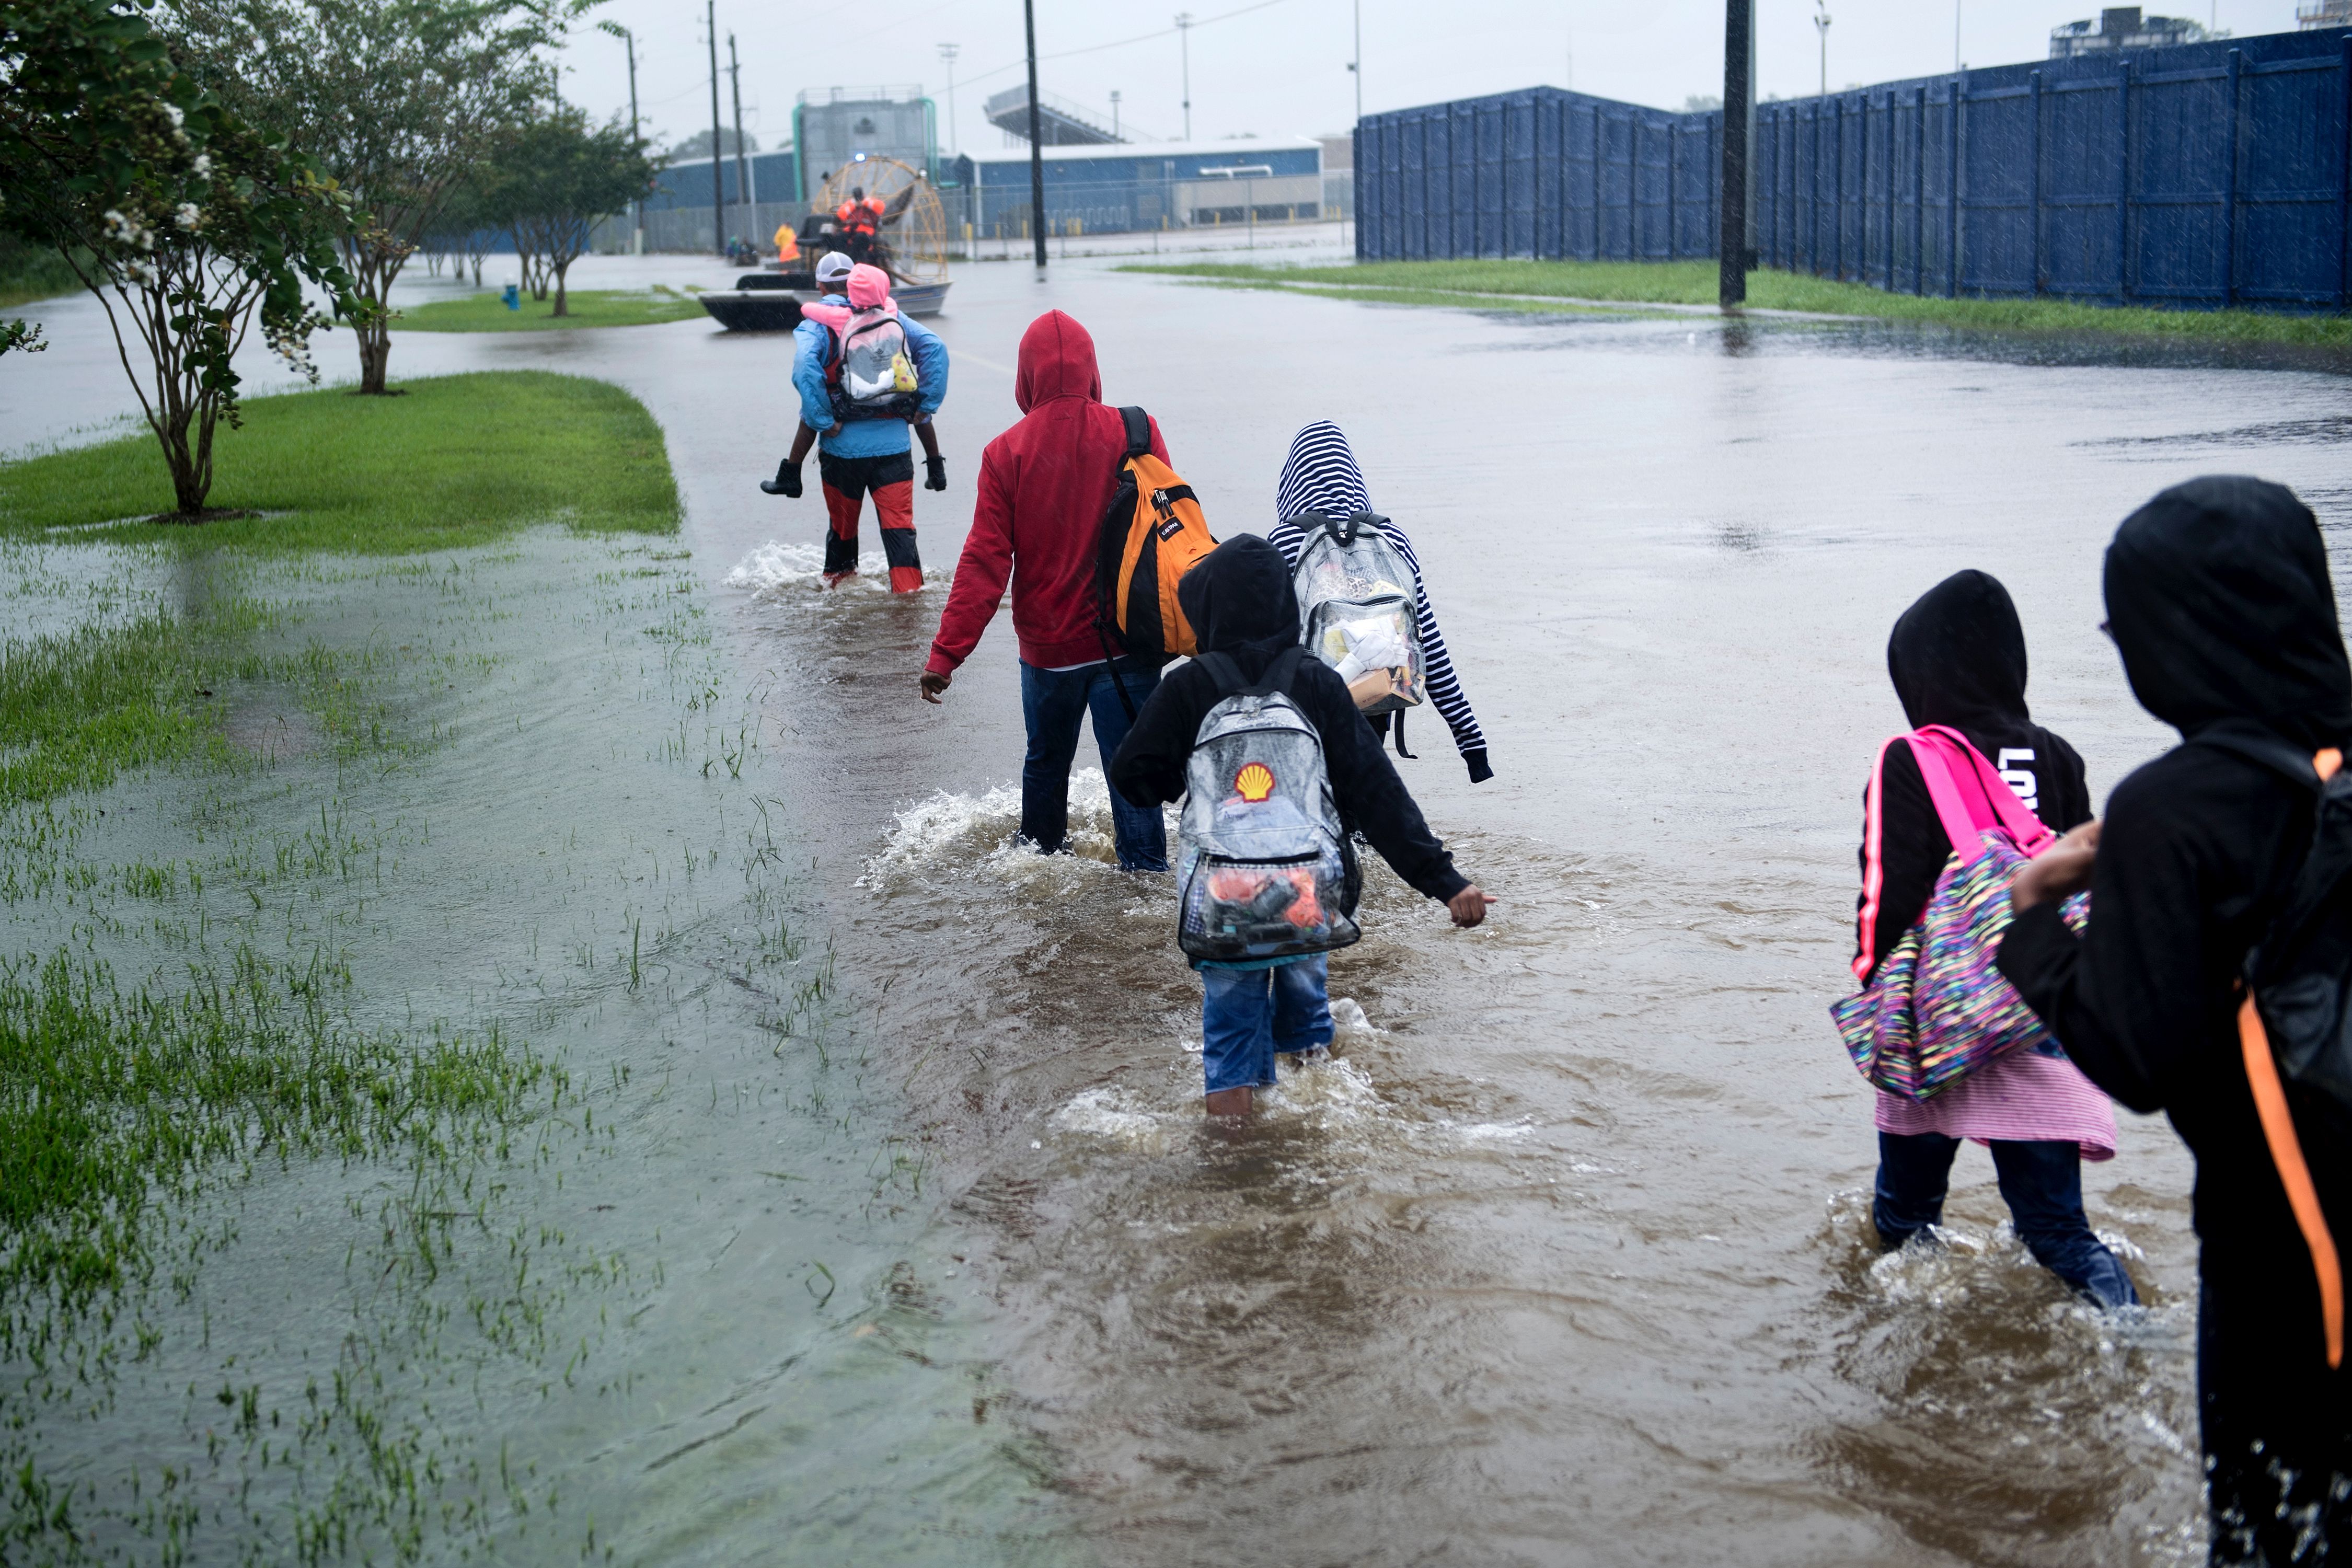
point(1822, 26)
point(717, 200)
point(742, 170)
point(1114, 114)
point(636, 143)
point(1184, 45)
point(1037, 142)
point(1356, 65)
point(1739, 119)
point(948, 52)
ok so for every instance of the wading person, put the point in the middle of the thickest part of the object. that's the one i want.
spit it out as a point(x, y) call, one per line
point(1957, 660)
point(1269, 884)
point(1043, 488)
point(1320, 479)
point(2219, 598)
point(864, 373)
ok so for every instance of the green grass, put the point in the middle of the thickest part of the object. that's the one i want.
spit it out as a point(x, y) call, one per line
point(29, 272)
point(457, 461)
point(1636, 283)
point(486, 312)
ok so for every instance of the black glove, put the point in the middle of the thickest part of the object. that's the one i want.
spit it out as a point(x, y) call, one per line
point(787, 481)
point(1479, 771)
point(935, 473)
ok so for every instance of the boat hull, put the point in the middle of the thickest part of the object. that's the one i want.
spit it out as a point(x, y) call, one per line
point(771, 302)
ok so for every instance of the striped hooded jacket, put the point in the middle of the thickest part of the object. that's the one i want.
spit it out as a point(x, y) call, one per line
point(1320, 476)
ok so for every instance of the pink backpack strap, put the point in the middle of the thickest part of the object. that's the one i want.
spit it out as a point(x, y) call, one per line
point(1874, 867)
point(1971, 794)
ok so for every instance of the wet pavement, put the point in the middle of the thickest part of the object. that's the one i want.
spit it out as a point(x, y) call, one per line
point(1563, 1260)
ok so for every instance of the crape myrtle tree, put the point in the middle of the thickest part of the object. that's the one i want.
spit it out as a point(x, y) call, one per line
point(467, 223)
point(177, 213)
point(397, 100)
point(553, 178)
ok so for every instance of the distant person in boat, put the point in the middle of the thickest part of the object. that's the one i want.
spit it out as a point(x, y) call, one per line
point(1044, 486)
point(788, 244)
point(853, 357)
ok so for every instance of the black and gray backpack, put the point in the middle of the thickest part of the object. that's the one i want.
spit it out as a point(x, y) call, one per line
point(1265, 870)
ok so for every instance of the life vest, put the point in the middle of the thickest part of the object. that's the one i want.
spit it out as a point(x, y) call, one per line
point(788, 244)
point(868, 371)
point(1265, 870)
point(859, 217)
point(1359, 611)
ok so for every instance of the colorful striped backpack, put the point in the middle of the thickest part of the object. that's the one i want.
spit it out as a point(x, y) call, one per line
point(1937, 1009)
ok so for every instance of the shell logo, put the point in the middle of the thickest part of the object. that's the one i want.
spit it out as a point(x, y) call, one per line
point(1253, 783)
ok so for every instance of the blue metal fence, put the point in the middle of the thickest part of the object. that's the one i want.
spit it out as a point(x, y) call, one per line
point(1541, 173)
point(2210, 174)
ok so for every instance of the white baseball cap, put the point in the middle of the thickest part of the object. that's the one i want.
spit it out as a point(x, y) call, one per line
point(833, 267)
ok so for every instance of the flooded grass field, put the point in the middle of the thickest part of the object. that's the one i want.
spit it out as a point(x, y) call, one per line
point(745, 1155)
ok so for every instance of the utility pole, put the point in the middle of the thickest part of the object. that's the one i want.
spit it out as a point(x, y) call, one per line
point(948, 52)
point(717, 199)
point(1114, 115)
point(1822, 26)
point(1037, 142)
point(1739, 119)
point(1356, 65)
point(1184, 42)
point(636, 143)
point(743, 192)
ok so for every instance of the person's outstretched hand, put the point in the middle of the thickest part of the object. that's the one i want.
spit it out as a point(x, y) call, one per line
point(2060, 871)
point(934, 683)
point(1468, 907)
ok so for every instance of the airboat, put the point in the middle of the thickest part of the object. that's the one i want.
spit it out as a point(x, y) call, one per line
point(911, 245)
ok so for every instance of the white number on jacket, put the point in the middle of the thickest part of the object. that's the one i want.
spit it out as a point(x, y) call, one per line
point(2020, 779)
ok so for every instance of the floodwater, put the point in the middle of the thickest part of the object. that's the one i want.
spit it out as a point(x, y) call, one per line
point(1564, 1259)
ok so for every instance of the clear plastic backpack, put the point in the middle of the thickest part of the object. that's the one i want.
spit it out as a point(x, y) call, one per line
point(875, 377)
point(1357, 610)
point(1264, 870)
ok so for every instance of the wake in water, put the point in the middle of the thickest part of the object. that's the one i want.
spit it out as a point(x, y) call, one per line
point(777, 569)
point(952, 834)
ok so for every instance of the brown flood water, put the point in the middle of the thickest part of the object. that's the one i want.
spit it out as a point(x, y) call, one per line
point(1565, 1259)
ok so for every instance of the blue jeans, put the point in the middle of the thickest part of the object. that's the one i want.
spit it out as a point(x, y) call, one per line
point(2041, 1182)
point(1247, 1015)
point(1053, 702)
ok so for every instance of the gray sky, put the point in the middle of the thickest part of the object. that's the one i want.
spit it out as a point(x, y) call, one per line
point(1279, 67)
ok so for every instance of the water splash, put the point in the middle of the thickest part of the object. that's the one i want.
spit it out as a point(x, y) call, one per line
point(954, 834)
point(776, 569)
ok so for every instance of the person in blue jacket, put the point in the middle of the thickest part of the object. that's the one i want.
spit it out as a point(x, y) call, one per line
point(863, 452)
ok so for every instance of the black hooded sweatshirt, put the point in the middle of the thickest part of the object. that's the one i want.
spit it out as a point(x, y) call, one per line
point(2219, 597)
point(1957, 657)
point(1241, 604)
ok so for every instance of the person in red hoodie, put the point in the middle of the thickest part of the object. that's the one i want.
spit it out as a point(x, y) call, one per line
point(1044, 486)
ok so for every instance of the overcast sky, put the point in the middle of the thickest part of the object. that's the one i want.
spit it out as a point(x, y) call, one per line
point(1279, 67)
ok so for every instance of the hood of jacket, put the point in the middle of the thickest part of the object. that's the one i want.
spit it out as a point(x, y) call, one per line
point(1057, 360)
point(1239, 599)
point(1957, 657)
point(2220, 599)
point(1320, 475)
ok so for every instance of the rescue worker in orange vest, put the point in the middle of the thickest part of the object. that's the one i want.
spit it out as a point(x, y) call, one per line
point(788, 242)
point(861, 214)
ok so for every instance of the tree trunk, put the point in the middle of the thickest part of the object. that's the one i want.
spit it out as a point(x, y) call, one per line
point(375, 349)
point(561, 269)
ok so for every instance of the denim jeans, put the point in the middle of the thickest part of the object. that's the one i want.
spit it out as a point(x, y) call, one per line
point(2041, 1182)
point(1053, 702)
point(1247, 1015)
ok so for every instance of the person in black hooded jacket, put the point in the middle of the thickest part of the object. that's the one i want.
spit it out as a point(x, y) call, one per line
point(1240, 602)
point(1958, 659)
point(2219, 600)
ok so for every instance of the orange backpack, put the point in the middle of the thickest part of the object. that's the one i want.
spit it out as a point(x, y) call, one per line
point(1151, 536)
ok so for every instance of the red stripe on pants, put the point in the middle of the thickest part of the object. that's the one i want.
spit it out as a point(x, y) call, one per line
point(894, 508)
